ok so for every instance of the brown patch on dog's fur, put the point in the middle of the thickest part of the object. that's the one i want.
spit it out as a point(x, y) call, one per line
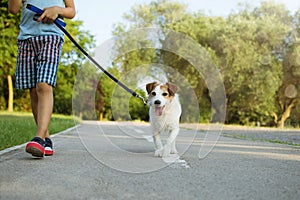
point(168, 87)
point(172, 89)
point(151, 86)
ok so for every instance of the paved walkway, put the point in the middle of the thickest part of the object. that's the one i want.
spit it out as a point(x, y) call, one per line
point(115, 161)
point(275, 135)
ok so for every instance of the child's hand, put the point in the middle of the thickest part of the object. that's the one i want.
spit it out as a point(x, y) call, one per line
point(49, 15)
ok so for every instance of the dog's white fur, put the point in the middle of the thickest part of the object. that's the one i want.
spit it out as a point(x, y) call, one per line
point(164, 112)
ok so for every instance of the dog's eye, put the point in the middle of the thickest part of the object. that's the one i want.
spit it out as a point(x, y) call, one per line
point(153, 93)
point(165, 94)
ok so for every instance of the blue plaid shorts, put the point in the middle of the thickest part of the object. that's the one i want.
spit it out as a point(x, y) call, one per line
point(37, 61)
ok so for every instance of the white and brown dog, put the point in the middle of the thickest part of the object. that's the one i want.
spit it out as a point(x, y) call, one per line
point(164, 112)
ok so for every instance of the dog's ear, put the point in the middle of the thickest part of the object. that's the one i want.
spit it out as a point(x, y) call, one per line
point(151, 86)
point(172, 89)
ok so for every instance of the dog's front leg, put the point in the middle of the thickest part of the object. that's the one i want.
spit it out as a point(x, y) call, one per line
point(173, 147)
point(158, 144)
point(170, 144)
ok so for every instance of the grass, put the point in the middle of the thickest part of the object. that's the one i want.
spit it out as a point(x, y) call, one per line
point(18, 128)
point(242, 137)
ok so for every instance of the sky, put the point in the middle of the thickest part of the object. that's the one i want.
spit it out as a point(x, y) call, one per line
point(98, 18)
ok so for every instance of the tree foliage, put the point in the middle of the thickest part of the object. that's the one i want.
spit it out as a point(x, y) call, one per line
point(71, 60)
point(8, 51)
point(252, 48)
point(255, 49)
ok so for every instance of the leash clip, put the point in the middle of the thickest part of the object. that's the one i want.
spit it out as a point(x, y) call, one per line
point(142, 98)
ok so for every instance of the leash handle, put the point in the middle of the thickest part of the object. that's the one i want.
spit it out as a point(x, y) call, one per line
point(60, 24)
point(40, 11)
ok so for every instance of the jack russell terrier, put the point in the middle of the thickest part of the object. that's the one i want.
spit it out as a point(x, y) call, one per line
point(164, 112)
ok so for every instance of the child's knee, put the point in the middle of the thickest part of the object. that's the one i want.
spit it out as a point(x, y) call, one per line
point(43, 88)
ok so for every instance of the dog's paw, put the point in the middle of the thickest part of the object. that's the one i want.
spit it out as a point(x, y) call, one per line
point(158, 153)
point(167, 151)
point(174, 151)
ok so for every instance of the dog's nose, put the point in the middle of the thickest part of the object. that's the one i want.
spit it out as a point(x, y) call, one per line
point(157, 102)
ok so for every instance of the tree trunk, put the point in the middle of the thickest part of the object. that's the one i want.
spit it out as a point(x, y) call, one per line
point(101, 116)
point(10, 94)
point(286, 114)
point(275, 120)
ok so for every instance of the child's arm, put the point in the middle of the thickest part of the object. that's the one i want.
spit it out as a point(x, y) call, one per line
point(51, 13)
point(14, 6)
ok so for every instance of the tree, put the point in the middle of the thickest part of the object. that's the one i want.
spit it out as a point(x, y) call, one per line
point(247, 50)
point(84, 93)
point(251, 48)
point(288, 95)
point(8, 50)
point(159, 14)
point(71, 61)
point(207, 85)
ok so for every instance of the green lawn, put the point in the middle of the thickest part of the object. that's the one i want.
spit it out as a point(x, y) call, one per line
point(19, 128)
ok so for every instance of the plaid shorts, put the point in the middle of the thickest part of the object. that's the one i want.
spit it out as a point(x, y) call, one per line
point(37, 61)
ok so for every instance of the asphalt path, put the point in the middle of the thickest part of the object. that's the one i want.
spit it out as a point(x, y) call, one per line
point(115, 160)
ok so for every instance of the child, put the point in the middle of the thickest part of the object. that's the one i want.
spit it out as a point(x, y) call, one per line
point(39, 49)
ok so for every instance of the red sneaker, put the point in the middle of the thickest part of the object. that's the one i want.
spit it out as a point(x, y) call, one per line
point(36, 147)
point(48, 147)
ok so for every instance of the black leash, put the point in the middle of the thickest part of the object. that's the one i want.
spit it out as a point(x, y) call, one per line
point(60, 24)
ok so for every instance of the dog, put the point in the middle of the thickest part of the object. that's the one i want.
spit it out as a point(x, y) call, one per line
point(164, 113)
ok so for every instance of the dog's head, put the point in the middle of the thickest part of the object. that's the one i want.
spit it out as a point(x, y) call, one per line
point(159, 95)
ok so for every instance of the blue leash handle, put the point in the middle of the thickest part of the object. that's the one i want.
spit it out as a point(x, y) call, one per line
point(40, 11)
point(60, 24)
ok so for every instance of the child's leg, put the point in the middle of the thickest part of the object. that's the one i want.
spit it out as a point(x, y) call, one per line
point(48, 51)
point(42, 106)
point(34, 103)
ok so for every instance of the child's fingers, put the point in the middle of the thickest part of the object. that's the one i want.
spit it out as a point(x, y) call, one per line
point(48, 16)
point(41, 17)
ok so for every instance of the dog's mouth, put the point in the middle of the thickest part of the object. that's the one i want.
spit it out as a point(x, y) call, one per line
point(159, 110)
